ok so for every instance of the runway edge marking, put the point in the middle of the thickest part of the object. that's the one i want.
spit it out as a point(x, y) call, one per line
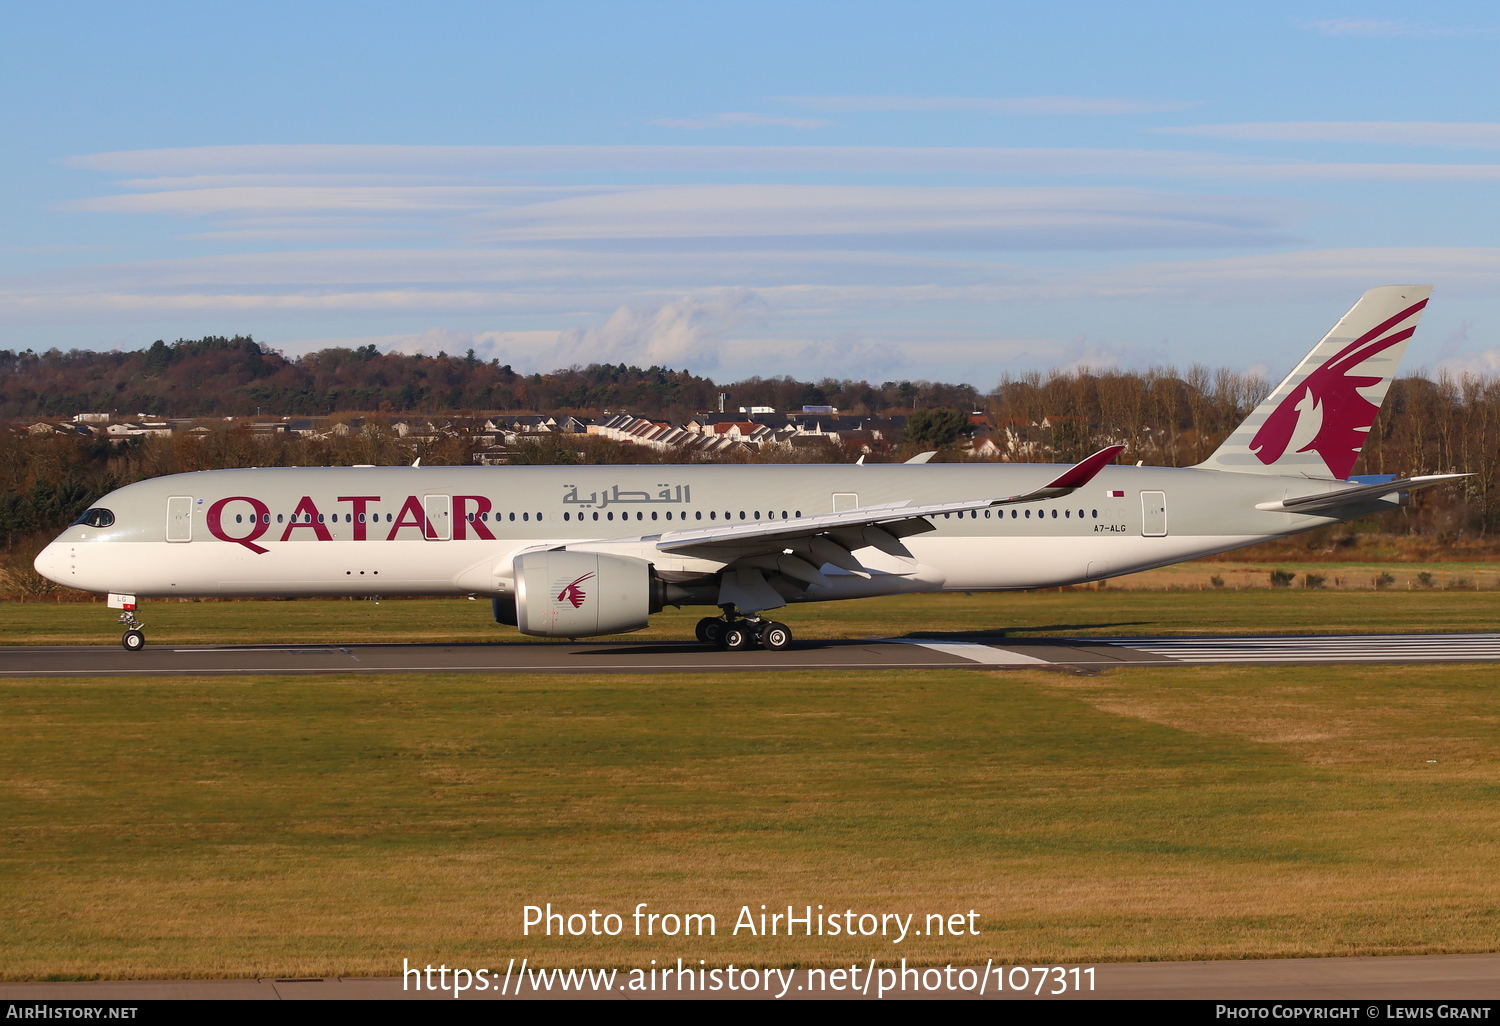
point(976, 652)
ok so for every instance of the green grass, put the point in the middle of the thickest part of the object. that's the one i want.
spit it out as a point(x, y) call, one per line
point(334, 825)
point(1292, 611)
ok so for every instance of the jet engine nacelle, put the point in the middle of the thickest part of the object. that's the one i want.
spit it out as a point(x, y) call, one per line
point(562, 594)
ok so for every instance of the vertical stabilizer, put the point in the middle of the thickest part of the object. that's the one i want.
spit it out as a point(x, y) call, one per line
point(1316, 421)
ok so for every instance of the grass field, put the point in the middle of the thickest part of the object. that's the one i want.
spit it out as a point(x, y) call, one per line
point(334, 825)
point(1291, 611)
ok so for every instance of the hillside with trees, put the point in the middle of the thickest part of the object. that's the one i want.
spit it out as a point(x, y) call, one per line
point(218, 376)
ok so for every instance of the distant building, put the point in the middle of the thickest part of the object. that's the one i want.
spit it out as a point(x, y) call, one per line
point(135, 429)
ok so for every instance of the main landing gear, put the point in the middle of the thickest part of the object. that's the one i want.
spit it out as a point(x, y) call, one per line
point(134, 638)
point(738, 633)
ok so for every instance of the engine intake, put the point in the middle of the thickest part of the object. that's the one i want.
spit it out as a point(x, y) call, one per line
point(563, 594)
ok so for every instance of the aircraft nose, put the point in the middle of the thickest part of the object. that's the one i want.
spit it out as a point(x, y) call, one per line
point(51, 563)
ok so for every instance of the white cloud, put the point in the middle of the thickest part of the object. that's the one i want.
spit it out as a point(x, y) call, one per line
point(565, 287)
point(383, 200)
point(1478, 135)
point(527, 350)
point(934, 217)
point(1039, 105)
point(700, 337)
point(812, 313)
point(1291, 277)
point(922, 216)
point(736, 120)
point(1452, 359)
point(293, 162)
point(1378, 27)
point(243, 174)
point(223, 181)
point(688, 331)
point(1485, 362)
point(685, 332)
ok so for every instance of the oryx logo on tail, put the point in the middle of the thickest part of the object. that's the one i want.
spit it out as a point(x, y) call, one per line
point(1326, 413)
point(573, 593)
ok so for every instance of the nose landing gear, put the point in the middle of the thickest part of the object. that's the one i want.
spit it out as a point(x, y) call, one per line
point(738, 633)
point(134, 638)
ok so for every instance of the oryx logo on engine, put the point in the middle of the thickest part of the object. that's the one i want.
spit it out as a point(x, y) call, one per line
point(572, 592)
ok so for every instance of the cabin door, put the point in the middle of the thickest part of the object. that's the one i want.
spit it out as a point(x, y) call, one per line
point(844, 501)
point(438, 509)
point(1154, 514)
point(180, 518)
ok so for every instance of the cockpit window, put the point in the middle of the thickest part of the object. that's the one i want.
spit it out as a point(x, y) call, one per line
point(96, 517)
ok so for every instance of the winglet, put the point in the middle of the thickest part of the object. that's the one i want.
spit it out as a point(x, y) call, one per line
point(1082, 473)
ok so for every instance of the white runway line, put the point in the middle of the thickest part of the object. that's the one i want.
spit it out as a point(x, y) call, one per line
point(1338, 649)
point(978, 653)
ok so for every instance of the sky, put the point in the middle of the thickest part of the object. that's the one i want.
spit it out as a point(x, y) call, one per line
point(949, 191)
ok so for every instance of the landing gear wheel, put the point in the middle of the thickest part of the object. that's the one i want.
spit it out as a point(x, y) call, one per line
point(738, 637)
point(710, 630)
point(776, 636)
point(133, 640)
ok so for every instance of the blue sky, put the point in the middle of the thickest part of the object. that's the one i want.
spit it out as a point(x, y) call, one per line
point(950, 191)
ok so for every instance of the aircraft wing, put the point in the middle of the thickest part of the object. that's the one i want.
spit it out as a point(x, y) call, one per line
point(882, 526)
point(1361, 493)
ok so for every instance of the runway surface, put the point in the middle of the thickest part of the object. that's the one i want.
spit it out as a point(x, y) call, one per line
point(615, 656)
point(1389, 978)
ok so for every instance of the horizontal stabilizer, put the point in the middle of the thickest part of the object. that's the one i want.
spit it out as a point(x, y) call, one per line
point(1349, 496)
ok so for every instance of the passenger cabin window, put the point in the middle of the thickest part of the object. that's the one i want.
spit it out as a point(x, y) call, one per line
point(96, 517)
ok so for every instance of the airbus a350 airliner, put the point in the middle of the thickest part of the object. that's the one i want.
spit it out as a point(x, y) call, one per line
point(579, 551)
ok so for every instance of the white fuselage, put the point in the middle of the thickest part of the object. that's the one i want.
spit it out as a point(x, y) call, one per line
point(457, 530)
